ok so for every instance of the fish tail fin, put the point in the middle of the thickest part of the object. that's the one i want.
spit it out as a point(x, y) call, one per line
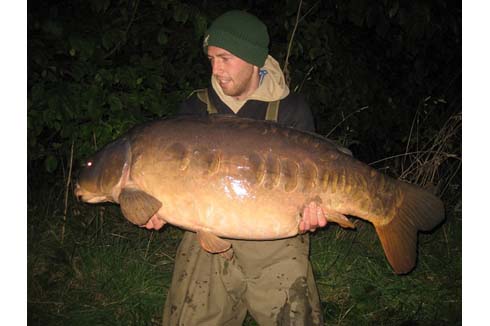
point(419, 211)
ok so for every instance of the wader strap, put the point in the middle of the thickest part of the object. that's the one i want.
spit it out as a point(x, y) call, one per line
point(272, 107)
point(202, 94)
point(272, 111)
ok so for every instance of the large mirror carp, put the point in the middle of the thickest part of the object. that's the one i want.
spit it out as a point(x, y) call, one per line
point(228, 177)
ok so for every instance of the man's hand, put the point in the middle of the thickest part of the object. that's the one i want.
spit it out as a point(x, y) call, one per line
point(154, 223)
point(313, 217)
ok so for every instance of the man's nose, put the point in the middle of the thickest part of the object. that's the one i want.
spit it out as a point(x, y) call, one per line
point(217, 68)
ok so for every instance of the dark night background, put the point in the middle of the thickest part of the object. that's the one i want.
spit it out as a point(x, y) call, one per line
point(95, 68)
point(383, 78)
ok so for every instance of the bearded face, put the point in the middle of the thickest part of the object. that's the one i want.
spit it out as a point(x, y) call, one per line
point(235, 76)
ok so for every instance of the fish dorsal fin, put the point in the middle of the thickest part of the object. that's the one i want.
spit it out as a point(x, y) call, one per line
point(138, 206)
point(213, 244)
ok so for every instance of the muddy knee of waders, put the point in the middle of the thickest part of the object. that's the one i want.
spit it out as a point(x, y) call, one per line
point(281, 289)
point(205, 289)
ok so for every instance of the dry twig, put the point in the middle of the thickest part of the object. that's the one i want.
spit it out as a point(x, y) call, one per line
point(67, 190)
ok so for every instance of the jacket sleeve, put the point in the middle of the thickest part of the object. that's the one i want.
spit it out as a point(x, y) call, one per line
point(192, 106)
point(295, 112)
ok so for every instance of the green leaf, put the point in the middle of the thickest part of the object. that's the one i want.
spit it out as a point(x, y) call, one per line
point(107, 40)
point(85, 47)
point(181, 13)
point(54, 28)
point(50, 163)
point(67, 131)
point(394, 10)
point(100, 6)
point(162, 37)
point(37, 92)
point(56, 145)
point(200, 25)
point(357, 11)
point(115, 103)
point(104, 76)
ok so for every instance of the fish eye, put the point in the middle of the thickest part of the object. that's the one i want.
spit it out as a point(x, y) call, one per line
point(87, 164)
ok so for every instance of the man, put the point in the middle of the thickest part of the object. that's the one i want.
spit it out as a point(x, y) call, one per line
point(272, 280)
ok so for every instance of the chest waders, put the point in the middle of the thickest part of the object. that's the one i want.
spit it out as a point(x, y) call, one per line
point(271, 280)
point(270, 115)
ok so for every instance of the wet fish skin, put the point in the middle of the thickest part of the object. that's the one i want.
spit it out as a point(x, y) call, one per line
point(227, 177)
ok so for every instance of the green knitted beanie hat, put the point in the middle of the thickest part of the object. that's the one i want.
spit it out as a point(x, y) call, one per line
point(240, 33)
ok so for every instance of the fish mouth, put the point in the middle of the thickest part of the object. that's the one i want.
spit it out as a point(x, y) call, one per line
point(95, 199)
point(89, 197)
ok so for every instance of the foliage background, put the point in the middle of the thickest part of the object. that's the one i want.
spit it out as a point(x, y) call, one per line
point(95, 68)
point(382, 77)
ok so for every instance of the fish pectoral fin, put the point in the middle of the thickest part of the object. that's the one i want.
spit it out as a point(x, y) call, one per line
point(213, 244)
point(340, 219)
point(138, 206)
point(228, 254)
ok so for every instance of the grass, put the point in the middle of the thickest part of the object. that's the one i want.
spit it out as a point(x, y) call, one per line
point(108, 272)
point(358, 287)
point(97, 269)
